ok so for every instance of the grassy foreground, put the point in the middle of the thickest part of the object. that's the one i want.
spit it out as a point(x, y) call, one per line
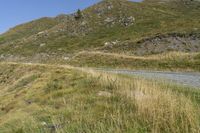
point(42, 98)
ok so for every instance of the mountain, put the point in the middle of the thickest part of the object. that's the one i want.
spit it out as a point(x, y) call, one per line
point(47, 87)
point(111, 26)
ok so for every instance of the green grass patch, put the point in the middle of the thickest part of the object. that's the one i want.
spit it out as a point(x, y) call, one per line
point(70, 100)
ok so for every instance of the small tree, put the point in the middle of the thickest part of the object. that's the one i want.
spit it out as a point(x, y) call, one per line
point(78, 14)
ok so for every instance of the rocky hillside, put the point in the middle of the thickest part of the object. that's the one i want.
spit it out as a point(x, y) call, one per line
point(127, 24)
point(156, 44)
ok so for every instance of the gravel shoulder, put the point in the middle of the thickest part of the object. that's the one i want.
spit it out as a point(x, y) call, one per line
point(182, 78)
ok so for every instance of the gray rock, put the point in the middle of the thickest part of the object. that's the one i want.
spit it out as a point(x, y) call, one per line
point(127, 21)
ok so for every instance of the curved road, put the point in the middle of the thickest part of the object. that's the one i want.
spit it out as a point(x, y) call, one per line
point(183, 78)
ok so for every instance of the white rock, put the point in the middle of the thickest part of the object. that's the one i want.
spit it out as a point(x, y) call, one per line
point(110, 7)
point(109, 20)
point(40, 33)
point(43, 123)
point(104, 93)
point(107, 43)
point(66, 58)
point(42, 44)
point(83, 23)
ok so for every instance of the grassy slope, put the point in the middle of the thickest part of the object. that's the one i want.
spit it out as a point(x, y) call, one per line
point(27, 29)
point(169, 61)
point(151, 18)
point(36, 98)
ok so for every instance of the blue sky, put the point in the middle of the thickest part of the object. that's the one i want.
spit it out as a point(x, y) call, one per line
point(14, 12)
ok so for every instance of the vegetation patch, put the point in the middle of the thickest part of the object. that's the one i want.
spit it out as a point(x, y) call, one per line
point(70, 100)
point(24, 82)
point(174, 61)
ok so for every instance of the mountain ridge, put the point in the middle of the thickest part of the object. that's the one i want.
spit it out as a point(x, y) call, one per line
point(104, 22)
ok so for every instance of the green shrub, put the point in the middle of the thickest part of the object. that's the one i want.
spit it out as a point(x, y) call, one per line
point(78, 14)
point(1, 39)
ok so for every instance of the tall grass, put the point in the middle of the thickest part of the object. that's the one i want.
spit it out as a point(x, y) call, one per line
point(71, 100)
point(158, 110)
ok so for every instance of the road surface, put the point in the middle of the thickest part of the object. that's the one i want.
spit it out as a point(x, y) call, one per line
point(183, 78)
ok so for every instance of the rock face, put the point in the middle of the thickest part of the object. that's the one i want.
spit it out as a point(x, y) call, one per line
point(127, 21)
point(157, 44)
point(124, 21)
point(169, 42)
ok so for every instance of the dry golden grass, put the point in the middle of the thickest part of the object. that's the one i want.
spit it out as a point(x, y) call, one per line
point(173, 56)
point(176, 61)
point(165, 56)
point(162, 110)
point(65, 99)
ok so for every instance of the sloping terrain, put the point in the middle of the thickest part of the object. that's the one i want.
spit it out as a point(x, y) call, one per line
point(111, 27)
point(53, 97)
point(38, 98)
point(173, 61)
point(105, 22)
point(161, 43)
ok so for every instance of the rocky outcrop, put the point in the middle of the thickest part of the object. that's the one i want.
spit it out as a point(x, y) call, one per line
point(169, 42)
point(160, 43)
